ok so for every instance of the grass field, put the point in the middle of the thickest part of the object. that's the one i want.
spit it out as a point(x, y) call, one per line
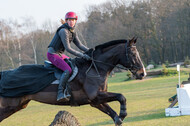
point(146, 103)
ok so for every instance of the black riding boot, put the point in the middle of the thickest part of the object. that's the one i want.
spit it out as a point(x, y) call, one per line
point(62, 92)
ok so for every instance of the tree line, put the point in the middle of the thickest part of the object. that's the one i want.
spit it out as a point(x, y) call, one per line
point(162, 28)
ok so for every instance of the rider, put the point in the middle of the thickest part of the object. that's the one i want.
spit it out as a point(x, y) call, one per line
point(64, 35)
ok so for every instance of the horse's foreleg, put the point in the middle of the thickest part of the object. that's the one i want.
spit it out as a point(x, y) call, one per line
point(109, 111)
point(104, 97)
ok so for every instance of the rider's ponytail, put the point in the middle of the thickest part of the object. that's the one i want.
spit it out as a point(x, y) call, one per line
point(62, 21)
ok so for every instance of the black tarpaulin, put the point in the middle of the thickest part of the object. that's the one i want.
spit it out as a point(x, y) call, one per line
point(24, 80)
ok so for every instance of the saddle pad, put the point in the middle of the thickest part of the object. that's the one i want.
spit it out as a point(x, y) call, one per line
point(75, 71)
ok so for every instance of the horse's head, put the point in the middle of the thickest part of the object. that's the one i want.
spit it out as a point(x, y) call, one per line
point(114, 52)
point(133, 61)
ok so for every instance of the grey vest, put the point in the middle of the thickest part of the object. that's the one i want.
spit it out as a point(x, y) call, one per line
point(56, 42)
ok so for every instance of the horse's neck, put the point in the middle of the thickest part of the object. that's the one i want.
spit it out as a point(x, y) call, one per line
point(110, 56)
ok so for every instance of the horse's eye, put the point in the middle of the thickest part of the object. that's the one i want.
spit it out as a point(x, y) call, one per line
point(134, 54)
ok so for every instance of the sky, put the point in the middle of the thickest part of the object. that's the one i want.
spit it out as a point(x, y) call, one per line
point(43, 10)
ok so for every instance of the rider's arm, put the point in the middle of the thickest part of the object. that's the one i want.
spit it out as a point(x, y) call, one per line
point(78, 43)
point(64, 35)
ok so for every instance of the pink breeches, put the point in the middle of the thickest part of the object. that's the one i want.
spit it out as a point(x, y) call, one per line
point(59, 61)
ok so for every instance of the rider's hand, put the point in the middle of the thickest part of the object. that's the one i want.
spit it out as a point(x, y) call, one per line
point(86, 57)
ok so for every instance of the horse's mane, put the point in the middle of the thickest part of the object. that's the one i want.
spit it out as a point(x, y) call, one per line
point(100, 48)
point(110, 43)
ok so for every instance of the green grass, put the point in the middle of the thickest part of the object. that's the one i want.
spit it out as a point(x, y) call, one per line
point(146, 103)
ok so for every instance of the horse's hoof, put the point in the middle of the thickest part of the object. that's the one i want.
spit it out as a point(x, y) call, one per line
point(122, 116)
point(118, 121)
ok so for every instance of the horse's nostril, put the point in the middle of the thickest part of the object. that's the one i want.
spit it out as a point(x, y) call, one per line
point(142, 74)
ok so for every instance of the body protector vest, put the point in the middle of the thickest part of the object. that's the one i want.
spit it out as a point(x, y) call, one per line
point(56, 42)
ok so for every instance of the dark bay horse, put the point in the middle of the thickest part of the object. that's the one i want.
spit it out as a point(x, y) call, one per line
point(90, 84)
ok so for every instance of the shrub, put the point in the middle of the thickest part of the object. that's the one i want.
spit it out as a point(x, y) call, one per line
point(172, 72)
point(164, 70)
point(129, 75)
point(167, 63)
point(168, 72)
point(187, 61)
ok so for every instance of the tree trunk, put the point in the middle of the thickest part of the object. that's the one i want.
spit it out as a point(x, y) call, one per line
point(34, 49)
point(64, 118)
point(19, 53)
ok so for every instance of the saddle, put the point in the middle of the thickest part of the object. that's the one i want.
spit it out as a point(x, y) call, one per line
point(58, 72)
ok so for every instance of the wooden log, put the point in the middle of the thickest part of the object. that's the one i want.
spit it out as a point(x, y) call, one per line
point(153, 73)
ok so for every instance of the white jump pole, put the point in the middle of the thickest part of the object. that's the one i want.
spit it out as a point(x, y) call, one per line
point(178, 69)
point(178, 95)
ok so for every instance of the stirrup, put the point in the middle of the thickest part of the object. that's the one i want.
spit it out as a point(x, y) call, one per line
point(63, 98)
point(66, 93)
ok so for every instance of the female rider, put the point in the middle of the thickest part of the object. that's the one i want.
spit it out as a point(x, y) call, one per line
point(64, 35)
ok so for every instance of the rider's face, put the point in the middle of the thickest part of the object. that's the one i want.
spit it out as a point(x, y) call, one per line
point(71, 22)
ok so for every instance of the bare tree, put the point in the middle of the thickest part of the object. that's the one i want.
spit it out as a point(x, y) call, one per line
point(6, 41)
point(30, 27)
point(16, 28)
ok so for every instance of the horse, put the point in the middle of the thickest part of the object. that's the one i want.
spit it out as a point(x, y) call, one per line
point(90, 84)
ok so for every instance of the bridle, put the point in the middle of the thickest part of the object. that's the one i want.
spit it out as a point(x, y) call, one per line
point(120, 67)
point(132, 66)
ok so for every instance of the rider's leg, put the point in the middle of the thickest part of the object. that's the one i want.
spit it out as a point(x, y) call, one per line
point(62, 94)
point(58, 62)
point(61, 64)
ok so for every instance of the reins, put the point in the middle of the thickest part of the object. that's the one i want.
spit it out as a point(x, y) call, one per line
point(110, 64)
point(98, 61)
point(98, 74)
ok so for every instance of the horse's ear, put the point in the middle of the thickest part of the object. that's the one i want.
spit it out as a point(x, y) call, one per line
point(131, 41)
point(135, 40)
